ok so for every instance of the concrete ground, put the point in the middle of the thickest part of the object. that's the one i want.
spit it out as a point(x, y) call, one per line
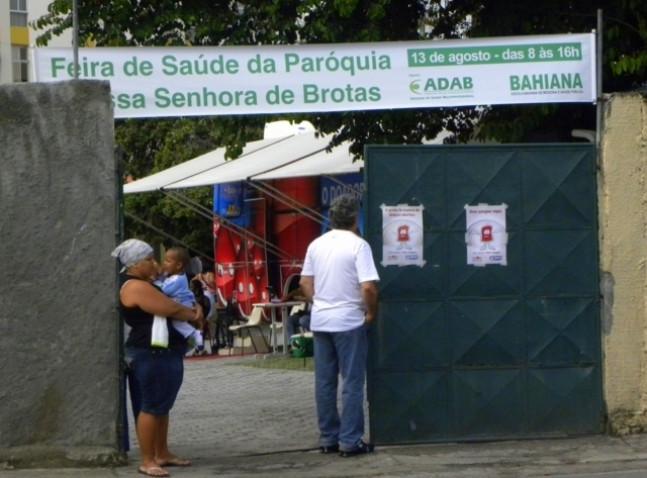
point(237, 421)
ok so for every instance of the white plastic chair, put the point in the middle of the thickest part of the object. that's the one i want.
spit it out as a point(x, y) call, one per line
point(254, 322)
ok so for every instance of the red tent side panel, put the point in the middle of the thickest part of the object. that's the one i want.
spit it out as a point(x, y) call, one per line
point(225, 257)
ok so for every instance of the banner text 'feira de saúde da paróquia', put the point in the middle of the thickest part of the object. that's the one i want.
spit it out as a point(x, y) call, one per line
point(191, 81)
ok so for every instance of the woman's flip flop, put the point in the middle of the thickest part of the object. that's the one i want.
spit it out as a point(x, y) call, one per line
point(175, 461)
point(152, 471)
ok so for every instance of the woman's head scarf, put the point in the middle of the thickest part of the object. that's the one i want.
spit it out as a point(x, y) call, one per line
point(131, 251)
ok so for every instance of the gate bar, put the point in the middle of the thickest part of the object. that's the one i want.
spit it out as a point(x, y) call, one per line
point(208, 214)
point(598, 74)
point(281, 196)
point(166, 234)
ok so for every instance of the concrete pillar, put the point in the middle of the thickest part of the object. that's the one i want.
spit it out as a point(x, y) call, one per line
point(623, 254)
point(59, 345)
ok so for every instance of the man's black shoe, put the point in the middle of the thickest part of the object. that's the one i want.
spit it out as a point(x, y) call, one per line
point(329, 449)
point(361, 449)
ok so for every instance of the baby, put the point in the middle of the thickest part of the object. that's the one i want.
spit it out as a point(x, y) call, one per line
point(176, 286)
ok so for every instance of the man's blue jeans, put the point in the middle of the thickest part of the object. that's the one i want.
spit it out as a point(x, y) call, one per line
point(345, 353)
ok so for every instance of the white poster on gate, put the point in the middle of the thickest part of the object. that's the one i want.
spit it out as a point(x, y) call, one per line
point(486, 236)
point(402, 235)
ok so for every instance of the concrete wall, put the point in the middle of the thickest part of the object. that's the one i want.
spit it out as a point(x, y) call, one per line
point(58, 322)
point(5, 44)
point(623, 254)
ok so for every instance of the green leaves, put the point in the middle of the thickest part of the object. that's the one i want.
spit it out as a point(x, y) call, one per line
point(345, 8)
point(635, 64)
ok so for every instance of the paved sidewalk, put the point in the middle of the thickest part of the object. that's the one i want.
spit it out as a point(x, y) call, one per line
point(238, 421)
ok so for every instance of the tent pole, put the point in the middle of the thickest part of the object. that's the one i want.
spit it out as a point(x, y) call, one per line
point(287, 163)
point(208, 214)
point(167, 235)
point(226, 162)
point(276, 194)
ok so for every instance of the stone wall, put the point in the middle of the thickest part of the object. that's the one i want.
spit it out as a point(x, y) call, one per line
point(623, 254)
point(58, 323)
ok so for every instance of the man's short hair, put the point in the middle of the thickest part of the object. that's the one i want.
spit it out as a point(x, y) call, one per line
point(344, 211)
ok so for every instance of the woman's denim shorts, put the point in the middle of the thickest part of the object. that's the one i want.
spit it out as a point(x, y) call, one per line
point(158, 375)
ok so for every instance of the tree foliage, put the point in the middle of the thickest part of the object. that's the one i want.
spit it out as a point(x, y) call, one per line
point(624, 59)
point(151, 145)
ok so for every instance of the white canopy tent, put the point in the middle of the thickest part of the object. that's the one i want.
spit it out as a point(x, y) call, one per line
point(285, 152)
point(299, 155)
point(323, 163)
point(204, 163)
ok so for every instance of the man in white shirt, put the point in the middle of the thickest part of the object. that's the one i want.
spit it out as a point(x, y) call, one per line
point(339, 278)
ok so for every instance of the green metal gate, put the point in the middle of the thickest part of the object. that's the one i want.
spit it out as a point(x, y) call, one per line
point(462, 352)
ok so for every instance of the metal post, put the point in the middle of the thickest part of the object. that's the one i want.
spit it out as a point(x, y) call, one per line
point(75, 37)
point(598, 65)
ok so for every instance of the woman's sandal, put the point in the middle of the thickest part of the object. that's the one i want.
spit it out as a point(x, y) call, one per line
point(175, 461)
point(152, 471)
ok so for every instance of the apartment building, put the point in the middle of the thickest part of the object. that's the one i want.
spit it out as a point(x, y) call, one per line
point(17, 38)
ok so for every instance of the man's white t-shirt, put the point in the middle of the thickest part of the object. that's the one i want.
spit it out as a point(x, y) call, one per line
point(339, 261)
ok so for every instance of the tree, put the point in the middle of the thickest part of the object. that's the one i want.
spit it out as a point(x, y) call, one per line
point(150, 145)
point(624, 58)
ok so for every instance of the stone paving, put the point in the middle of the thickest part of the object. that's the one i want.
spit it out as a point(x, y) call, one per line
point(234, 410)
point(236, 421)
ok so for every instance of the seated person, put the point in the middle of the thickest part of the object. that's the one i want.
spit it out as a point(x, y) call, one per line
point(227, 314)
point(202, 299)
point(202, 285)
point(300, 315)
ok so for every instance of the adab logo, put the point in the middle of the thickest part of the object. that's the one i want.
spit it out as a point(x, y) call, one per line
point(451, 85)
point(414, 87)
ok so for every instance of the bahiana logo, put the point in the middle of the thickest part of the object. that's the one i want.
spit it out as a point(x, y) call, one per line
point(546, 82)
point(445, 85)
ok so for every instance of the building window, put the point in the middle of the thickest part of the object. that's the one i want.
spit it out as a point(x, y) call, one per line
point(20, 63)
point(18, 12)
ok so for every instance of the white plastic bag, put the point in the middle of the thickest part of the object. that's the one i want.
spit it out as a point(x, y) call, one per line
point(159, 333)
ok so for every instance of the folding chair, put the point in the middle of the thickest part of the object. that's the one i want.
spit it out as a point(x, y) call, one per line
point(254, 324)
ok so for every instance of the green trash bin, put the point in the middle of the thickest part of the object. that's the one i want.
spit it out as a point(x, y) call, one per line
point(302, 346)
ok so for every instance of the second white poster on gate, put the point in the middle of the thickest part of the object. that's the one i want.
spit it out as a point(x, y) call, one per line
point(486, 236)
